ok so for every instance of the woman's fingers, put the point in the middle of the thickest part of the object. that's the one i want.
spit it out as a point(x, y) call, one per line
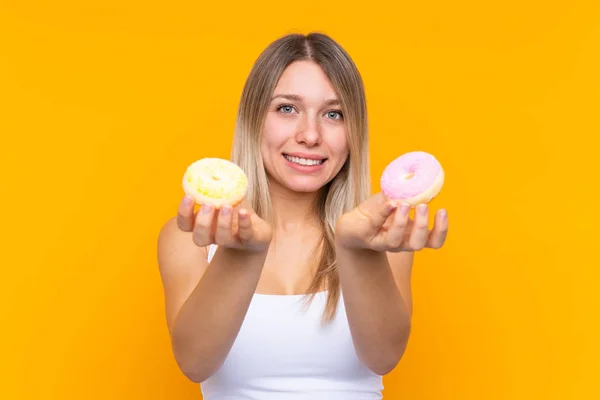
point(376, 210)
point(185, 214)
point(223, 235)
point(420, 230)
point(397, 230)
point(244, 225)
point(233, 227)
point(203, 231)
point(440, 230)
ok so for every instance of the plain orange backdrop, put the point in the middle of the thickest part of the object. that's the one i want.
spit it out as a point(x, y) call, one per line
point(104, 104)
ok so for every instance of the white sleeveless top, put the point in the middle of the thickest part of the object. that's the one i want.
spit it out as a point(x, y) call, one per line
point(283, 352)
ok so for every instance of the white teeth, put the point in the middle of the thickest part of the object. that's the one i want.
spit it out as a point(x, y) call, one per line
point(303, 161)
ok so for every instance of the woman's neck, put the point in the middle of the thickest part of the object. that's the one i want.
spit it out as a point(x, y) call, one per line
point(293, 210)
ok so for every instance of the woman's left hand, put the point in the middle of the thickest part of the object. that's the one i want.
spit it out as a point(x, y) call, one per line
point(381, 224)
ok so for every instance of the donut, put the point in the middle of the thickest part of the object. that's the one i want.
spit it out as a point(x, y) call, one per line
point(414, 178)
point(215, 182)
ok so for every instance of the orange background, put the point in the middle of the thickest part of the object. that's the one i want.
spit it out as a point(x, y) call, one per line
point(104, 104)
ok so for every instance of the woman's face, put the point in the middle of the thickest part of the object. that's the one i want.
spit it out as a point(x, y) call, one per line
point(304, 142)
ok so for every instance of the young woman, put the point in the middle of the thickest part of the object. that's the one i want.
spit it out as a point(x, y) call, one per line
point(303, 291)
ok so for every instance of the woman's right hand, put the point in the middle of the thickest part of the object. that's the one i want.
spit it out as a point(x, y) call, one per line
point(236, 228)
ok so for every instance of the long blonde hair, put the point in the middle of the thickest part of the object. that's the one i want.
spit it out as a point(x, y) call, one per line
point(351, 185)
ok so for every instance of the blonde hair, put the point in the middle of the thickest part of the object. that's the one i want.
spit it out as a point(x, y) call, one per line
point(350, 186)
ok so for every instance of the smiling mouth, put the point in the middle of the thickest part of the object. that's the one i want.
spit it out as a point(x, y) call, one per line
point(304, 161)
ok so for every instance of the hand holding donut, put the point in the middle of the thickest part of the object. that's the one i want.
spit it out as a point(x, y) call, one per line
point(219, 186)
point(382, 222)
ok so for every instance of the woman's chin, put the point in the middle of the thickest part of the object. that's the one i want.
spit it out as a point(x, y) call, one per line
point(310, 185)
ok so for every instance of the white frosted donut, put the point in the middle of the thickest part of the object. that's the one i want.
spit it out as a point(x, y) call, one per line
point(215, 182)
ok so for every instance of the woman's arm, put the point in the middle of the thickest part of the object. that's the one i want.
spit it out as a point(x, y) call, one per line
point(206, 303)
point(378, 300)
point(375, 245)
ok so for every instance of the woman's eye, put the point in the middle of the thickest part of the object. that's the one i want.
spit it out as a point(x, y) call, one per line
point(286, 109)
point(334, 114)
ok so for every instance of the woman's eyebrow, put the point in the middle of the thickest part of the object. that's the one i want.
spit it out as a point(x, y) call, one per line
point(288, 97)
point(295, 97)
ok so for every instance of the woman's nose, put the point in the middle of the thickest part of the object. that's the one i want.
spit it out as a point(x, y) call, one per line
point(309, 132)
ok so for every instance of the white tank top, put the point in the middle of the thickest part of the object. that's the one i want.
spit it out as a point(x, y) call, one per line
point(283, 352)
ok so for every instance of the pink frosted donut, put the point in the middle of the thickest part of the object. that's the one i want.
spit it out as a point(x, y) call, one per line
point(415, 177)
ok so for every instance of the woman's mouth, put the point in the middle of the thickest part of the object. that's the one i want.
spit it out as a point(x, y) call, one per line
point(305, 161)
